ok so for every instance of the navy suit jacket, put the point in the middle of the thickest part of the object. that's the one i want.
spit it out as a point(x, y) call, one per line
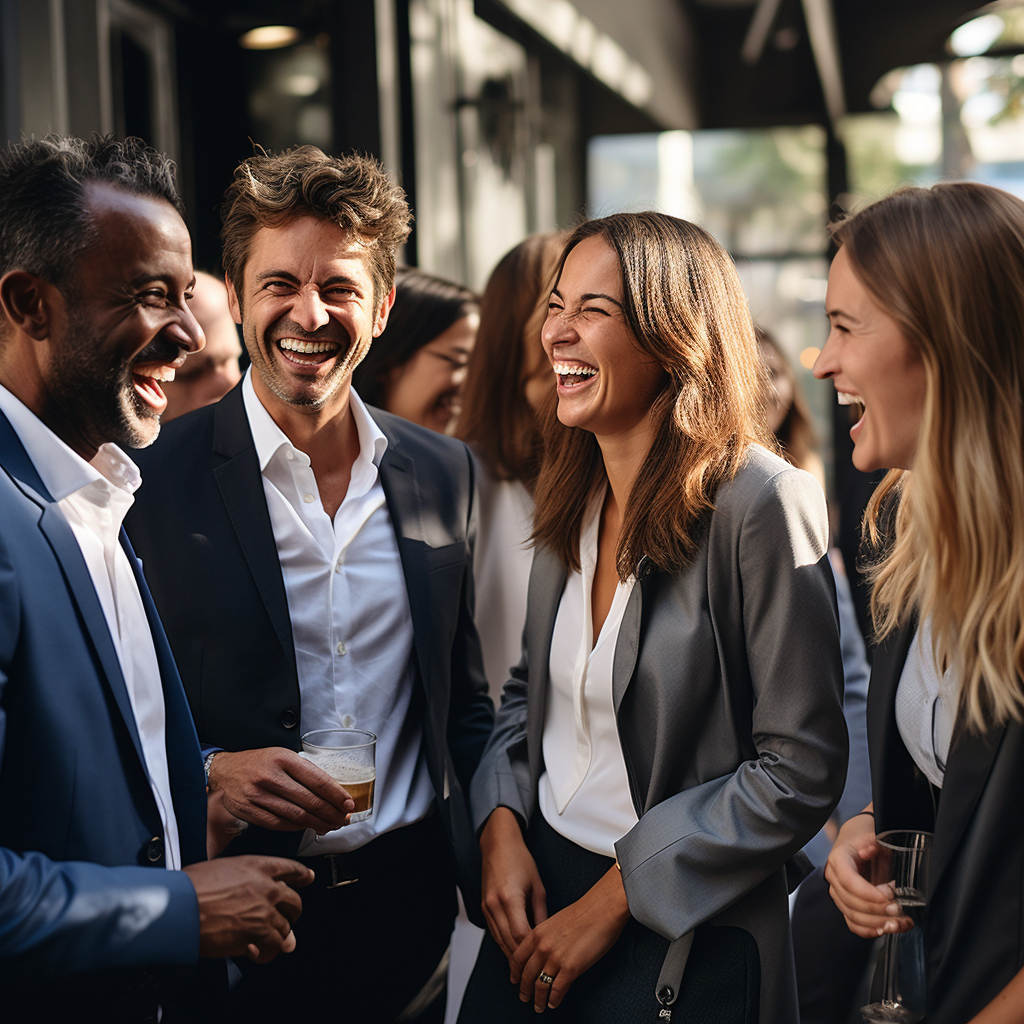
point(80, 834)
point(203, 530)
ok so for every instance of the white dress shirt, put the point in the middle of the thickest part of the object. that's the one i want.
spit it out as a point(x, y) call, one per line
point(350, 617)
point(584, 790)
point(926, 706)
point(94, 498)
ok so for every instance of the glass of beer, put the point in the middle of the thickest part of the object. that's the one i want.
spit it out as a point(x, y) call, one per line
point(347, 755)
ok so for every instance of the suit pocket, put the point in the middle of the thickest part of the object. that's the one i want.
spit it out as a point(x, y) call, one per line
point(447, 557)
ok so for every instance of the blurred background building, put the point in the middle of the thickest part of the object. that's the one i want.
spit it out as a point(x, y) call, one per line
point(504, 117)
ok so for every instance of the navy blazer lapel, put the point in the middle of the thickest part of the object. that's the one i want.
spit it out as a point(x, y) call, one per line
point(65, 547)
point(241, 487)
point(402, 494)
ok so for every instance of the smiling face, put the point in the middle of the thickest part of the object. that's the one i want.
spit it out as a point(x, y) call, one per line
point(426, 389)
point(872, 364)
point(605, 382)
point(307, 314)
point(126, 325)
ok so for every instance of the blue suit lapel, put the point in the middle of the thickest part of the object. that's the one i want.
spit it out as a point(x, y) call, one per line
point(65, 547)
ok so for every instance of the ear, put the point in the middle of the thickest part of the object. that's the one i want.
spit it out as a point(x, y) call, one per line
point(26, 303)
point(233, 304)
point(381, 320)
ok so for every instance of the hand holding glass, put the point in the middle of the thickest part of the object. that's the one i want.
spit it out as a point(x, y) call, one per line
point(902, 864)
point(347, 755)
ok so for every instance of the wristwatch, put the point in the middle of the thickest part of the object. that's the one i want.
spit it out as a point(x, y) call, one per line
point(207, 761)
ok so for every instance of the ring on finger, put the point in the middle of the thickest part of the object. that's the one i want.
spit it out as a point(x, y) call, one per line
point(544, 978)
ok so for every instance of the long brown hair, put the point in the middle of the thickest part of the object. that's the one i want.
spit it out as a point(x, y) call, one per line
point(947, 264)
point(685, 307)
point(496, 417)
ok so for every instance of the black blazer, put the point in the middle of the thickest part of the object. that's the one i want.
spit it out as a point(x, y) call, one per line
point(203, 531)
point(974, 926)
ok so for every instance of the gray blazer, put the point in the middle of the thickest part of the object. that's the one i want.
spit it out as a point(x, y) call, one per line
point(727, 683)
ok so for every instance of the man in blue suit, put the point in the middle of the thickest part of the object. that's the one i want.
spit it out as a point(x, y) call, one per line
point(107, 903)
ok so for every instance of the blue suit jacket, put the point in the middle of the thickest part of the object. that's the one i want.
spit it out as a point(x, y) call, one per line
point(80, 834)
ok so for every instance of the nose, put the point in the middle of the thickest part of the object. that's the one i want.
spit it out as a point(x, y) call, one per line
point(309, 311)
point(824, 366)
point(557, 328)
point(185, 331)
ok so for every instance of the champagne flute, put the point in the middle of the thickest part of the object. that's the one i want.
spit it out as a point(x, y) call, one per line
point(902, 863)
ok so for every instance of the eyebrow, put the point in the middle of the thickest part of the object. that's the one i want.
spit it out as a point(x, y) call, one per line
point(336, 279)
point(831, 314)
point(167, 279)
point(591, 295)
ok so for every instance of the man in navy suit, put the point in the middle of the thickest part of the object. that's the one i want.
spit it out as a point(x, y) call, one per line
point(108, 907)
point(311, 559)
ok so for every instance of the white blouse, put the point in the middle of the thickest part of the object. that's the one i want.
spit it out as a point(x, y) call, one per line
point(584, 790)
point(925, 707)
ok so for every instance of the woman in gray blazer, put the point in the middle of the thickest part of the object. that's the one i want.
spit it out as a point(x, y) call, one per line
point(673, 733)
point(926, 302)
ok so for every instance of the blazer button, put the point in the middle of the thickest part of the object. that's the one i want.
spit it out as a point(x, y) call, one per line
point(154, 850)
point(289, 719)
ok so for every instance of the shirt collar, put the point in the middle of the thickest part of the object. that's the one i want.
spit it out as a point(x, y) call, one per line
point(62, 470)
point(268, 438)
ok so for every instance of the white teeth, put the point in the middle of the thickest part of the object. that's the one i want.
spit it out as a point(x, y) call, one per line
point(160, 373)
point(574, 369)
point(848, 398)
point(306, 348)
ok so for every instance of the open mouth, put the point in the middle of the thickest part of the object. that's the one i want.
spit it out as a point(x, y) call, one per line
point(156, 365)
point(573, 375)
point(856, 404)
point(301, 352)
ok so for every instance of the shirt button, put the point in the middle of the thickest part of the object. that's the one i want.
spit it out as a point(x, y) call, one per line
point(307, 498)
point(342, 649)
point(347, 722)
point(289, 455)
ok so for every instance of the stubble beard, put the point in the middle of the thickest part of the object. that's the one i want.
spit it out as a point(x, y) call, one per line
point(98, 399)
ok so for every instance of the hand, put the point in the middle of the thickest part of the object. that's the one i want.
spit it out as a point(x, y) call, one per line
point(870, 910)
point(570, 942)
point(247, 905)
point(275, 788)
point(221, 825)
point(513, 895)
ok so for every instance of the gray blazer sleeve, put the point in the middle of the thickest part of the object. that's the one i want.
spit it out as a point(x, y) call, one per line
point(772, 607)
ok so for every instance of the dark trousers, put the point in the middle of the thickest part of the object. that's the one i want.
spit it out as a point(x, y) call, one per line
point(721, 984)
point(363, 950)
point(830, 959)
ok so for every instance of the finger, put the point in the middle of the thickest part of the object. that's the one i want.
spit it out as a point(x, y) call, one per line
point(288, 904)
point(289, 943)
point(316, 781)
point(497, 925)
point(291, 872)
point(527, 966)
point(542, 990)
point(559, 988)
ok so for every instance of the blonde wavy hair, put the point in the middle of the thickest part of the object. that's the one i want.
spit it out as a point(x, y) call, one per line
point(947, 263)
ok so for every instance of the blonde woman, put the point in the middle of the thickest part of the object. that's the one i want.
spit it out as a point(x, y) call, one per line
point(673, 733)
point(926, 303)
